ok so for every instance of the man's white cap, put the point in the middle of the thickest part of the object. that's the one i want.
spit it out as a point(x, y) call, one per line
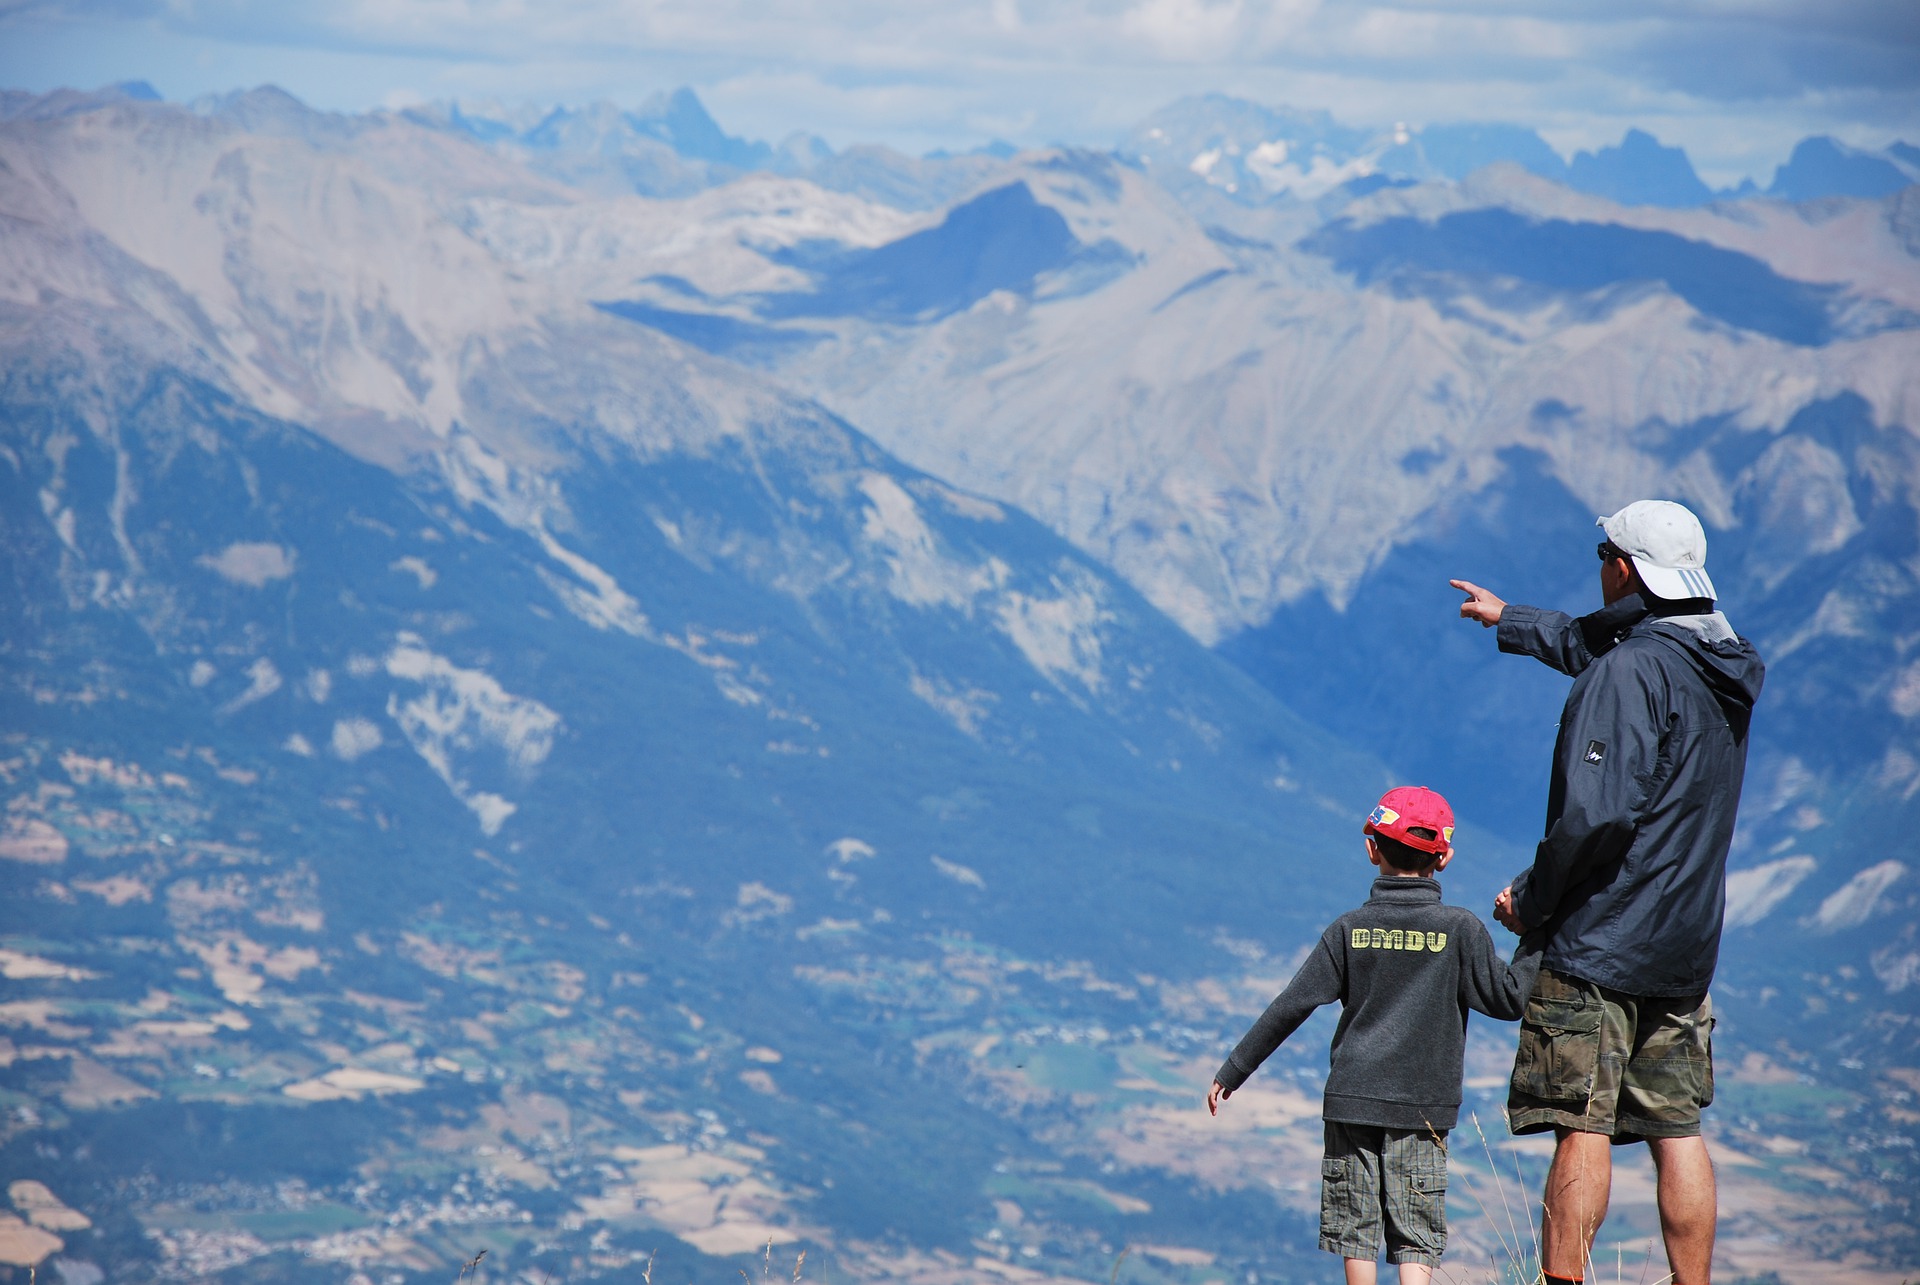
point(1667, 545)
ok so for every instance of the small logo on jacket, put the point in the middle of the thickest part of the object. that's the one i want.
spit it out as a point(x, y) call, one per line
point(1596, 751)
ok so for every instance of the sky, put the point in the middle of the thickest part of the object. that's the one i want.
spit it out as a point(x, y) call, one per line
point(1736, 82)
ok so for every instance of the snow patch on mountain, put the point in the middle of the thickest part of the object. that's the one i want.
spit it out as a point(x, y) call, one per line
point(1859, 898)
point(1904, 697)
point(725, 241)
point(848, 849)
point(921, 575)
point(1752, 894)
point(525, 500)
point(1279, 174)
point(1060, 636)
point(353, 737)
point(965, 706)
point(263, 680)
point(461, 711)
point(417, 567)
point(958, 873)
point(1896, 969)
point(251, 564)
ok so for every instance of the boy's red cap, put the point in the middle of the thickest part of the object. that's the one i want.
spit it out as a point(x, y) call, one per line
point(1406, 806)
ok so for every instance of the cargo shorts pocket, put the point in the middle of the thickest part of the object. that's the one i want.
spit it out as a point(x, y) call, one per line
point(1559, 1051)
point(1339, 1217)
point(1423, 1223)
point(1706, 1093)
point(1671, 1075)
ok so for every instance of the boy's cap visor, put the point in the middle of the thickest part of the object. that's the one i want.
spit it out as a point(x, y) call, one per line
point(1403, 808)
point(1668, 547)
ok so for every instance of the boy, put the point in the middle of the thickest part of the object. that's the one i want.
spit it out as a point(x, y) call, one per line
point(1405, 969)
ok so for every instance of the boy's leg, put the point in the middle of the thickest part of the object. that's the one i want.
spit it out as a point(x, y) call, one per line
point(1415, 1274)
point(1360, 1271)
point(1413, 1185)
point(1350, 1192)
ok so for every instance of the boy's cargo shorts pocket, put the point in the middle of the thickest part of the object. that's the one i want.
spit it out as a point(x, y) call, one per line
point(1340, 1220)
point(1416, 1200)
point(1336, 1174)
point(1559, 1043)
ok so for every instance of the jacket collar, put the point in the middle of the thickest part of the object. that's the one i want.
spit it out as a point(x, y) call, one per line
point(1403, 888)
point(1603, 629)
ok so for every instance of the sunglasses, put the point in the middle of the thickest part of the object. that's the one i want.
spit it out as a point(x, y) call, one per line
point(1609, 551)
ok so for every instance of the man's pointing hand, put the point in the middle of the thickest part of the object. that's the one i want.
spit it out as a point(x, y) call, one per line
point(1481, 604)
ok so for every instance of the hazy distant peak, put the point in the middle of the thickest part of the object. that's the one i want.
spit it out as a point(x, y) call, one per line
point(682, 121)
point(1640, 171)
point(999, 149)
point(1458, 150)
point(1823, 166)
point(19, 105)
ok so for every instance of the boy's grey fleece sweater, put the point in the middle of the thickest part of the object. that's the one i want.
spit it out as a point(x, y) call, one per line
point(1405, 968)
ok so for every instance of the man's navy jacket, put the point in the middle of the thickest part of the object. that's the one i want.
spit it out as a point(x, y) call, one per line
point(1630, 879)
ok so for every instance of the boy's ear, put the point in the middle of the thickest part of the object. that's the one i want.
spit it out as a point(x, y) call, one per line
point(1373, 851)
point(1445, 857)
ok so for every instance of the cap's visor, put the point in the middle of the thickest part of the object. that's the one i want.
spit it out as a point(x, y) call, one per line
point(1675, 583)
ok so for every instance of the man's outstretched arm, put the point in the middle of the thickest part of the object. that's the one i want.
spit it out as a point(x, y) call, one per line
point(1549, 636)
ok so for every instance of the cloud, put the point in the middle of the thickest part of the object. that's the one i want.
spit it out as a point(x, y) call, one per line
point(1726, 78)
point(1779, 51)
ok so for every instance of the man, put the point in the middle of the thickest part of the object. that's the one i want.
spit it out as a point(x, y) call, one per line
point(1630, 880)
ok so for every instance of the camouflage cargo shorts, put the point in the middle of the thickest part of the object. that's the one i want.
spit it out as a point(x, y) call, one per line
point(1598, 1061)
point(1376, 1181)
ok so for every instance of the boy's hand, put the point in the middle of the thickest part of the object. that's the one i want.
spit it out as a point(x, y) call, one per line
point(1504, 912)
point(1481, 604)
point(1215, 1096)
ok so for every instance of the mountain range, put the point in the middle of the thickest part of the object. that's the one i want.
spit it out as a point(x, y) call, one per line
point(580, 687)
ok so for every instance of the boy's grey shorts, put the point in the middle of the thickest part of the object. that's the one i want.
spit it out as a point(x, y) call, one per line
point(1384, 1179)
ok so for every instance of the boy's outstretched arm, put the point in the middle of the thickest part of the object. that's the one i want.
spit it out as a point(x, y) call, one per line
point(1319, 981)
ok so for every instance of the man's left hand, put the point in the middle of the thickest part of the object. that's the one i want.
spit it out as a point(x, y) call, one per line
point(1504, 912)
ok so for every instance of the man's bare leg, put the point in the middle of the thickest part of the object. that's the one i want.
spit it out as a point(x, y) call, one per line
point(1359, 1271)
point(1576, 1202)
point(1687, 1210)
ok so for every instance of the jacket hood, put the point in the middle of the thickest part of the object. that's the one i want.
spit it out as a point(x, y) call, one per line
point(1729, 665)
